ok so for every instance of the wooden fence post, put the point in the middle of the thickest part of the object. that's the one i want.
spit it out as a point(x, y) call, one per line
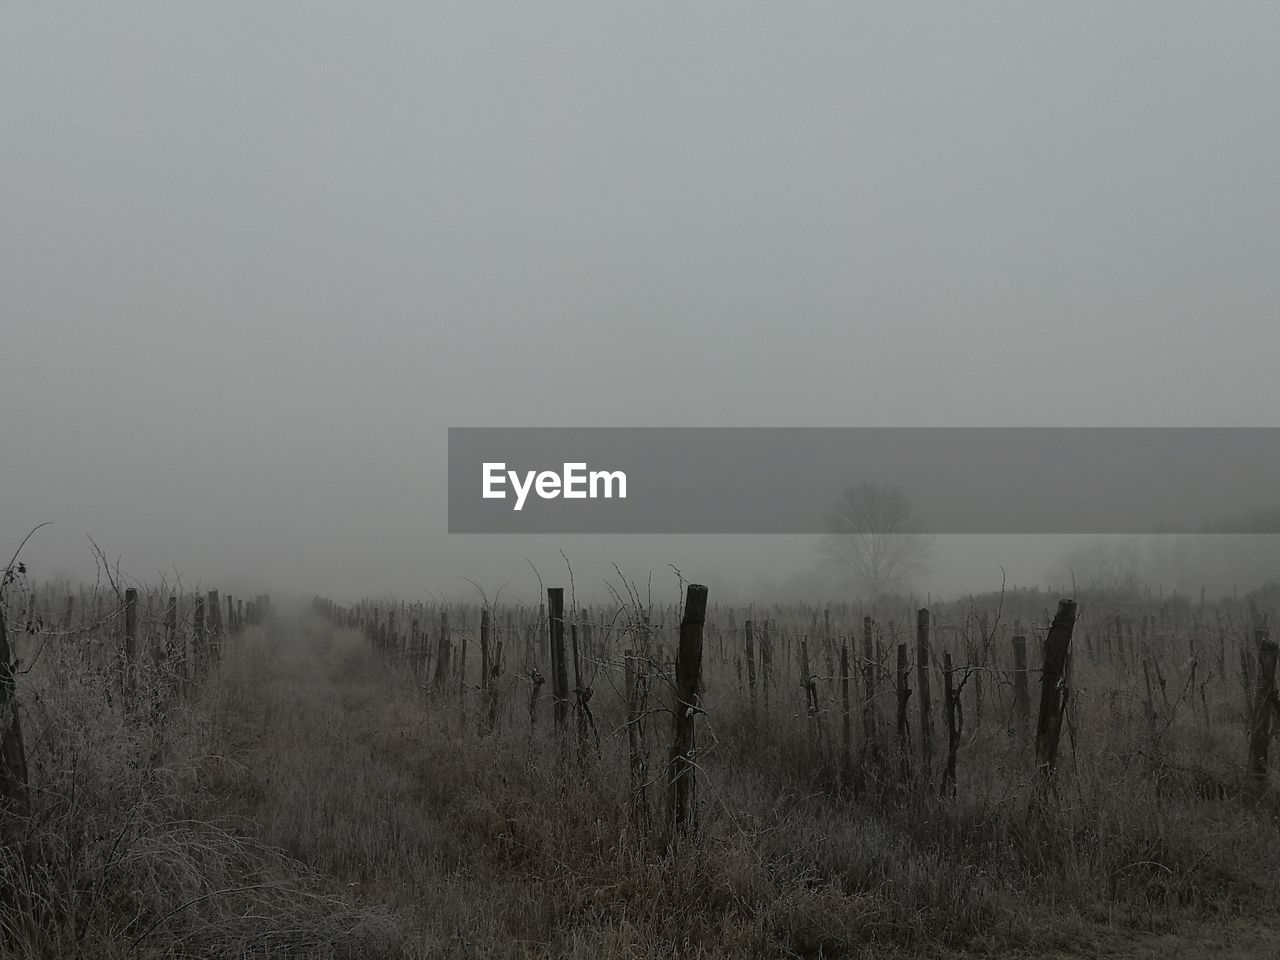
point(846, 729)
point(214, 642)
point(976, 675)
point(495, 672)
point(577, 686)
point(485, 679)
point(870, 682)
point(810, 695)
point(442, 652)
point(922, 683)
point(829, 650)
point(129, 678)
point(582, 697)
point(462, 671)
point(683, 815)
point(199, 646)
point(951, 707)
point(1264, 700)
point(559, 668)
point(14, 799)
point(766, 662)
point(1053, 687)
point(748, 631)
point(904, 722)
point(638, 765)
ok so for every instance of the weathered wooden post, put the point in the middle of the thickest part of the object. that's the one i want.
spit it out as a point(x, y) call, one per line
point(215, 627)
point(129, 677)
point(976, 675)
point(638, 765)
point(810, 694)
point(748, 631)
point(1264, 700)
point(951, 707)
point(582, 697)
point(496, 660)
point(559, 667)
point(869, 680)
point(1222, 649)
point(577, 675)
point(485, 679)
point(922, 682)
point(828, 649)
point(1248, 684)
point(442, 652)
point(683, 816)
point(462, 671)
point(846, 727)
point(1053, 688)
point(766, 662)
point(904, 723)
point(14, 799)
point(199, 646)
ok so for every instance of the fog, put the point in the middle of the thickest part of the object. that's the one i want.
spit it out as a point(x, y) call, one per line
point(257, 258)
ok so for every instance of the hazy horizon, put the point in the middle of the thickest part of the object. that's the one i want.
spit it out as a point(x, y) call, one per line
point(257, 259)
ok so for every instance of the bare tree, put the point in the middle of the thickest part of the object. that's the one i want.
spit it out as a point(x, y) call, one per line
point(874, 538)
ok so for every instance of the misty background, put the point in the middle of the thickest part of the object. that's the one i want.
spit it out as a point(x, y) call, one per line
point(256, 259)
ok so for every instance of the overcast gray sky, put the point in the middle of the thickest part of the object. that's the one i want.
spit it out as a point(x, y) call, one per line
point(256, 258)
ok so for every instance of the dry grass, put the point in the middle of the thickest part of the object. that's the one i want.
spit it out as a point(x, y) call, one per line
point(127, 852)
point(487, 845)
point(314, 800)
